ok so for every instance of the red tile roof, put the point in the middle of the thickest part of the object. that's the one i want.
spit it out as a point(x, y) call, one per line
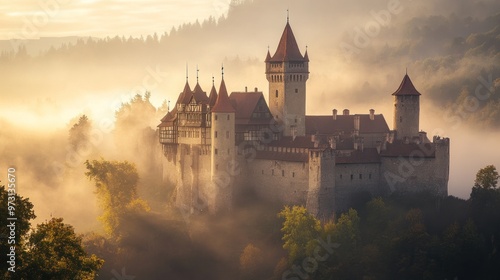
point(185, 95)
point(199, 95)
point(223, 105)
point(246, 104)
point(287, 50)
point(327, 125)
point(406, 88)
point(213, 96)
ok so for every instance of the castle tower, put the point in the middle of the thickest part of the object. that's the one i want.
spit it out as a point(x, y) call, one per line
point(321, 192)
point(287, 72)
point(222, 151)
point(406, 110)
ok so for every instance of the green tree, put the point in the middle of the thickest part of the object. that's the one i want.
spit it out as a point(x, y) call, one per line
point(56, 252)
point(300, 230)
point(116, 189)
point(487, 178)
point(23, 211)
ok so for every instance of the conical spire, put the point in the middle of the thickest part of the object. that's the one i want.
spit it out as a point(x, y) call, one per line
point(306, 56)
point(406, 88)
point(268, 56)
point(287, 50)
point(185, 95)
point(213, 95)
point(223, 105)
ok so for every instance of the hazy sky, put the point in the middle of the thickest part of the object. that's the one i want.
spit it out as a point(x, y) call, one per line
point(27, 19)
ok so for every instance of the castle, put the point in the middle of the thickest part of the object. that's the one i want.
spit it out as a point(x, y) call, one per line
point(216, 145)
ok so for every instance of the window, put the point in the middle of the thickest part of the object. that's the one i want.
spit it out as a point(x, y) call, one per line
point(296, 90)
point(215, 117)
point(400, 119)
point(216, 151)
point(360, 176)
point(293, 174)
point(272, 172)
point(227, 116)
point(215, 134)
point(283, 173)
point(352, 176)
point(340, 176)
point(369, 176)
point(216, 167)
point(276, 93)
point(262, 171)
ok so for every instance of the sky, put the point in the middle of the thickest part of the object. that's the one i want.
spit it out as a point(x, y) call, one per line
point(26, 19)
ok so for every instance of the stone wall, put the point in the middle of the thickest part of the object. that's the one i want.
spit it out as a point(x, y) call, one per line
point(354, 178)
point(418, 173)
point(278, 181)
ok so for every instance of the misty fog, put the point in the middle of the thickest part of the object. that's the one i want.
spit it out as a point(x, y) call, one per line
point(447, 47)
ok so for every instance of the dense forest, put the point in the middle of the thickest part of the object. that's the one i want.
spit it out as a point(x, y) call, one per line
point(403, 236)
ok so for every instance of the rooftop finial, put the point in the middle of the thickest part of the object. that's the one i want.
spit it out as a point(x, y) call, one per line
point(406, 70)
point(213, 80)
point(222, 69)
point(197, 71)
point(287, 15)
point(187, 73)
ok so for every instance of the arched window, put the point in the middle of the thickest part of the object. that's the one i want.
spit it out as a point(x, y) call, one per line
point(276, 93)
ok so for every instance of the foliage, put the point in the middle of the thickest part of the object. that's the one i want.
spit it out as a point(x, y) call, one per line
point(24, 214)
point(56, 252)
point(403, 236)
point(50, 251)
point(300, 229)
point(251, 261)
point(79, 133)
point(487, 178)
point(116, 189)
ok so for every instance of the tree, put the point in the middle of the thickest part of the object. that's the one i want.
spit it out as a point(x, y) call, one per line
point(79, 133)
point(300, 230)
point(487, 178)
point(251, 261)
point(56, 252)
point(116, 188)
point(24, 213)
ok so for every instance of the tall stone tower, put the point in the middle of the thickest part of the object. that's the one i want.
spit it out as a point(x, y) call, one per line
point(406, 110)
point(287, 72)
point(321, 192)
point(222, 152)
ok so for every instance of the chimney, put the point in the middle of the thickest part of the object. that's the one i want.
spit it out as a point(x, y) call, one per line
point(423, 136)
point(334, 111)
point(294, 134)
point(256, 89)
point(346, 112)
point(372, 114)
point(246, 89)
point(357, 122)
point(379, 146)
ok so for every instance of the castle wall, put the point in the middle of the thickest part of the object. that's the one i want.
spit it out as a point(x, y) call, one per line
point(279, 181)
point(189, 170)
point(416, 173)
point(321, 189)
point(354, 178)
